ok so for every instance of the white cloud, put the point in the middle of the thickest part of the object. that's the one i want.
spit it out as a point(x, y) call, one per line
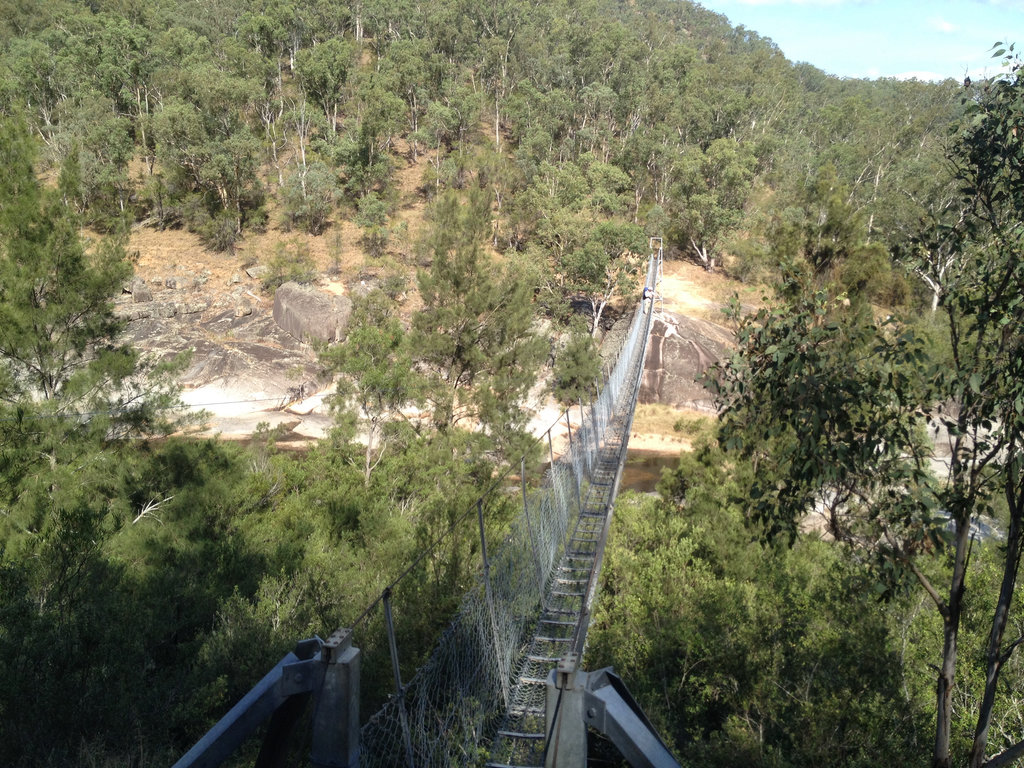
point(942, 25)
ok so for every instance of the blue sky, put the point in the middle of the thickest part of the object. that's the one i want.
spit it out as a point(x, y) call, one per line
point(930, 39)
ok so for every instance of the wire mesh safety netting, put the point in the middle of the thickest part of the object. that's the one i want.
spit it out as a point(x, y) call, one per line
point(461, 697)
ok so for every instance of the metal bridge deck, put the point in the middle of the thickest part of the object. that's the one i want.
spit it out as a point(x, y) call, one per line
point(562, 625)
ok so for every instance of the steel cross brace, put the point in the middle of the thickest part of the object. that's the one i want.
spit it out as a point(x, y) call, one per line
point(328, 670)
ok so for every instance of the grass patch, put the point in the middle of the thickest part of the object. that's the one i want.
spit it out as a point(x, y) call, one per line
point(655, 419)
point(693, 426)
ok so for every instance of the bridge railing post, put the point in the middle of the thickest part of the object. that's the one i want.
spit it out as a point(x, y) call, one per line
point(399, 688)
point(565, 728)
point(336, 709)
point(489, 593)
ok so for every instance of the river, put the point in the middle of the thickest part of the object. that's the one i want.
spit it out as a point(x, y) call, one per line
point(643, 469)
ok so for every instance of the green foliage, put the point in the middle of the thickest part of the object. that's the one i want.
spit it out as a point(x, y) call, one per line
point(102, 146)
point(322, 71)
point(309, 197)
point(828, 235)
point(373, 217)
point(291, 262)
point(694, 115)
point(745, 653)
point(832, 406)
point(712, 191)
point(474, 331)
point(376, 360)
point(604, 265)
point(55, 297)
point(751, 261)
point(576, 367)
point(65, 379)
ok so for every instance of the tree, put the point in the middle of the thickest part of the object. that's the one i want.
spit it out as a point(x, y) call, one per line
point(104, 147)
point(474, 331)
point(743, 653)
point(309, 196)
point(824, 232)
point(376, 361)
point(938, 254)
point(577, 366)
point(56, 320)
point(838, 405)
point(63, 374)
point(712, 192)
point(323, 72)
point(986, 318)
point(406, 69)
point(209, 151)
point(604, 266)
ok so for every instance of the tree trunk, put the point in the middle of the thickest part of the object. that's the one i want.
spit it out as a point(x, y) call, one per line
point(944, 697)
point(996, 656)
point(950, 631)
point(367, 465)
point(597, 305)
point(497, 126)
point(706, 260)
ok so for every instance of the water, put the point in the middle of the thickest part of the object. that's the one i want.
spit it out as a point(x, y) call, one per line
point(643, 469)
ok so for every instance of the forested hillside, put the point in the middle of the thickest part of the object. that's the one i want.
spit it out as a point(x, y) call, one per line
point(227, 118)
point(146, 581)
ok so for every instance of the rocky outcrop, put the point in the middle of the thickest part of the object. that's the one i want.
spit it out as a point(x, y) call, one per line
point(309, 314)
point(232, 340)
point(615, 337)
point(681, 349)
point(248, 353)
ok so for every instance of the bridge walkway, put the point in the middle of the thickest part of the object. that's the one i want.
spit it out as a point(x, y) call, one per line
point(565, 614)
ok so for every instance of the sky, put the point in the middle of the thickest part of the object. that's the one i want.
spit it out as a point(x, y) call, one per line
point(926, 39)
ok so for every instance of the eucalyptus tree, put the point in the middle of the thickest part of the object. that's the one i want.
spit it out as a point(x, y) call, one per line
point(606, 265)
point(834, 406)
point(710, 196)
point(323, 72)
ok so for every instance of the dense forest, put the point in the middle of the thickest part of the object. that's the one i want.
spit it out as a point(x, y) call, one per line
point(148, 578)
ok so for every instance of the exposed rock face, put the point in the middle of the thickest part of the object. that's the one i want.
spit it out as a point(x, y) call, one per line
point(250, 353)
point(310, 314)
point(681, 349)
point(235, 344)
point(140, 291)
point(615, 337)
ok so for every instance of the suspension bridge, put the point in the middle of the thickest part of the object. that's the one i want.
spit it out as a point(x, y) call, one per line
point(504, 686)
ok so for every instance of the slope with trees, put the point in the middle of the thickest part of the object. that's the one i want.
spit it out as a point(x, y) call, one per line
point(153, 580)
point(834, 405)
